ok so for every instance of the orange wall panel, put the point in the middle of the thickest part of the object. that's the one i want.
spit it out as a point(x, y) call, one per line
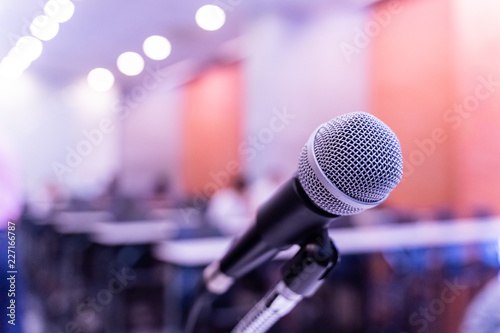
point(411, 88)
point(477, 60)
point(212, 129)
point(435, 79)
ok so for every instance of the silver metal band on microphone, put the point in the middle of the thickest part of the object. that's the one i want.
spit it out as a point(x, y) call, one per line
point(327, 183)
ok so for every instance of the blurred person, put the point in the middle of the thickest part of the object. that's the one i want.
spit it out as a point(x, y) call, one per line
point(123, 207)
point(162, 196)
point(110, 193)
point(229, 208)
point(483, 314)
point(162, 199)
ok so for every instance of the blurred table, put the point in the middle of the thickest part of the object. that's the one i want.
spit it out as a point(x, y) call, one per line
point(79, 222)
point(133, 232)
point(200, 252)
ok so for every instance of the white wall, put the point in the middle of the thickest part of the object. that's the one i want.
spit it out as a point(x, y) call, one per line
point(150, 140)
point(49, 130)
point(299, 66)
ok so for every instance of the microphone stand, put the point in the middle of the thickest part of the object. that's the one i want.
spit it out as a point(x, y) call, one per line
point(301, 277)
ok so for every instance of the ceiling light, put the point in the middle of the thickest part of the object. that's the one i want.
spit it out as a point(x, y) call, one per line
point(100, 79)
point(28, 48)
point(130, 63)
point(44, 27)
point(210, 17)
point(157, 47)
point(59, 10)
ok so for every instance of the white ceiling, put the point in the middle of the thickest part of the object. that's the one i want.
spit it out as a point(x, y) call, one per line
point(100, 30)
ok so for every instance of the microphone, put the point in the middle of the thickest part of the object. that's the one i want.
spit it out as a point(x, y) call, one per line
point(349, 164)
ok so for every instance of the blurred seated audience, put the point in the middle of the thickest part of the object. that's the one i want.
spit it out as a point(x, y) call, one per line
point(122, 206)
point(229, 208)
point(162, 198)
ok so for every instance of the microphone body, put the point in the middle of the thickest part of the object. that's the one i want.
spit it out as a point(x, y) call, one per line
point(348, 165)
point(289, 205)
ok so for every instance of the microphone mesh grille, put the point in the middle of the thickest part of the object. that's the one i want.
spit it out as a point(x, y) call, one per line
point(360, 155)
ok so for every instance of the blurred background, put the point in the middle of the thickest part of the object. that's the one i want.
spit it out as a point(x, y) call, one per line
point(138, 137)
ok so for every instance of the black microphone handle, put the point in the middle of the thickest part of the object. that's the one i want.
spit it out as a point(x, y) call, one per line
point(288, 217)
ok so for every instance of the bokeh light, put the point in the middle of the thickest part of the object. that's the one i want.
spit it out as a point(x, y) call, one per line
point(44, 27)
point(100, 79)
point(130, 63)
point(28, 48)
point(157, 47)
point(210, 17)
point(59, 10)
point(12, 67)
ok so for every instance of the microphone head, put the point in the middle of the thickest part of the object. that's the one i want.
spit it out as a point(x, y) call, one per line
point(350, 164)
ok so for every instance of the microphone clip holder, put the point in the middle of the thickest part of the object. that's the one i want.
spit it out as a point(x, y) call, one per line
point(302, 275)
